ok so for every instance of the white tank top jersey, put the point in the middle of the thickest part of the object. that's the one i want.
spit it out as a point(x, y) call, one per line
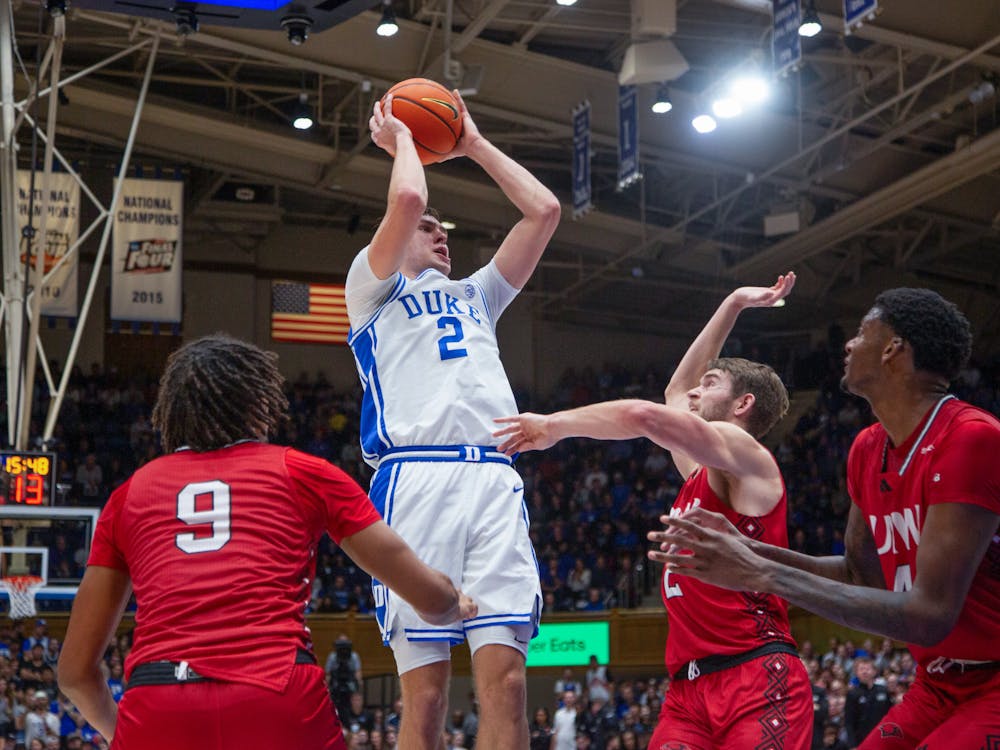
point(426, 351)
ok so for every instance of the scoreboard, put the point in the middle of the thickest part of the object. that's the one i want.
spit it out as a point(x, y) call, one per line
point(28, 477)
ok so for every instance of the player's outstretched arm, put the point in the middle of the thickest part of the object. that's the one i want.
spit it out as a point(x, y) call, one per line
point(385, 556)
point(523, 246)
point(716, 444)
point(97, 610)
point(953, 542)
point(407, 196)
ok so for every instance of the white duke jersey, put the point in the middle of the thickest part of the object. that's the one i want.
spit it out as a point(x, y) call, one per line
point(430, 344)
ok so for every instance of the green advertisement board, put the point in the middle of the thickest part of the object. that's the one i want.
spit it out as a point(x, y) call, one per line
point(569, 644)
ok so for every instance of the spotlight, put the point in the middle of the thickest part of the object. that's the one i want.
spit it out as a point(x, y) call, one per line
point(751, 89)
point(387, 26)
point(662, 105)
point(186, 20)
point(704, 123)
point(982, 92)
point(302, 115)
point(449, 225)
point(565, 2)
point(297, 26)
point(726, 107)
point(810, 25)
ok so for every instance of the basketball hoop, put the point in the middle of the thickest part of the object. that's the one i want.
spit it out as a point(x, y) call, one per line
point(21, 592)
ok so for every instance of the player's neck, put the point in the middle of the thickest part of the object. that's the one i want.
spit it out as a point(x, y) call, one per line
point(905, 405)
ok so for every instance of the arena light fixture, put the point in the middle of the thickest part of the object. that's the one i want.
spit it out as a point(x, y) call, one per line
point(750, 89)
point(565, 2)
point(448, 225)
point(662, 103)
point(726, 107)
point(704, 123)
point(387, 26)
point(810, 25)
point(302, 115)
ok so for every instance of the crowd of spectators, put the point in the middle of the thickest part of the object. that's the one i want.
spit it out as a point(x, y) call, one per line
point(34, 713)
point(590, 503)
point(853, 688)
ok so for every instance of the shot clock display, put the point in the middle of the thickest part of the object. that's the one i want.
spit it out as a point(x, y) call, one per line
point(28, 477)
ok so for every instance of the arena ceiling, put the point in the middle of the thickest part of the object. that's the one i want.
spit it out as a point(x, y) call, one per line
point(878, 143)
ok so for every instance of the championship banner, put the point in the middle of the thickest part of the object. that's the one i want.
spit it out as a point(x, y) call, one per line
point(62, 228)
point(628, 137)
point(146, 254)
point(581, 160)
point(786, 45)
point(858, 11)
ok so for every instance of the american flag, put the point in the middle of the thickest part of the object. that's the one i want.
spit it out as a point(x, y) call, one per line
point(313, 313)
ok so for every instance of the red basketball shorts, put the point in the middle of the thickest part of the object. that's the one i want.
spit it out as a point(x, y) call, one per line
point(950, 711)
point(230, 716)
point(764, 704)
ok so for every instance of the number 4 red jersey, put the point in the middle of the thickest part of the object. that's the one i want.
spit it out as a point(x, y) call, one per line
point(951, 457)
point(220, 549)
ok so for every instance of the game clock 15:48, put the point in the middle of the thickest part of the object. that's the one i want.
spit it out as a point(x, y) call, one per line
point(28, 477)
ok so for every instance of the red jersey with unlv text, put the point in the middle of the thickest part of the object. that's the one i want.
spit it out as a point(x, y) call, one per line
point(953, 456)
point(705, 620)
point(220, 549)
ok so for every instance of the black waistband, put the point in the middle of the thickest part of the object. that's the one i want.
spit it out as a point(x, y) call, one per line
point(709, 664)
point(176, 673)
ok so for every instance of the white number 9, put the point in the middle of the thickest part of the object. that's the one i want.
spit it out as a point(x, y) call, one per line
point(218, 515)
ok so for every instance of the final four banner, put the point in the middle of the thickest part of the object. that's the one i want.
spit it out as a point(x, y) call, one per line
point(581, 160)
point(146, 256)
point(628, 137)
point(62, 228)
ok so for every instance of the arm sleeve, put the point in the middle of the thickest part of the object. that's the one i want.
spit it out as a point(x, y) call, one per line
point(965, 468)
point(343, 506)
point(497, 292)
point(364, 292)
point(104, 549)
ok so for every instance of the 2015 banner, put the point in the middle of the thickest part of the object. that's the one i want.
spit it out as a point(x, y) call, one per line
point(146, 255)
point(62, 228)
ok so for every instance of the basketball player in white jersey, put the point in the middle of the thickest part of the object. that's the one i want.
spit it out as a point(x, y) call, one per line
point(427, 356)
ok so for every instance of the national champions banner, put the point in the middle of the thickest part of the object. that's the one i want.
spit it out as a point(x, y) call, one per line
point(146, 255)
point(62, 228)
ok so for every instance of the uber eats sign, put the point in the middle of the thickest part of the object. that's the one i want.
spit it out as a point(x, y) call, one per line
point(569, 644)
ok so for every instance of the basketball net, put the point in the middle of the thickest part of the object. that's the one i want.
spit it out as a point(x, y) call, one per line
point(21, 592)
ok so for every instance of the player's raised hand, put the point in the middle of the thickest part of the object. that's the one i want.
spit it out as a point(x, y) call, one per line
point(765, 296)
point(470, 133)
point(525, 432)
point(385, 127)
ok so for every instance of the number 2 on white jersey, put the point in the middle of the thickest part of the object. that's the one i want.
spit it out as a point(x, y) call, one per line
point(219, 515)
point(457, 334)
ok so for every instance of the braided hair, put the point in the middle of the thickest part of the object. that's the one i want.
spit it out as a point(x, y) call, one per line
point(217, 390)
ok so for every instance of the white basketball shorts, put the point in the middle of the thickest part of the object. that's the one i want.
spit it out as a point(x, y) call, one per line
point(465, 516)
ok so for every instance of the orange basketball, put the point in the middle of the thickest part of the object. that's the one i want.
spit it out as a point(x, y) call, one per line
point(432, 115)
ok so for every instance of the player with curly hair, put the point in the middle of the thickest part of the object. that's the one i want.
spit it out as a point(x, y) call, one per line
point(217, 540)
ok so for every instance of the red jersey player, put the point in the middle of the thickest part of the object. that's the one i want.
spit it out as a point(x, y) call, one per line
point(922, 559)
point(217, 540)
point(737, 678)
